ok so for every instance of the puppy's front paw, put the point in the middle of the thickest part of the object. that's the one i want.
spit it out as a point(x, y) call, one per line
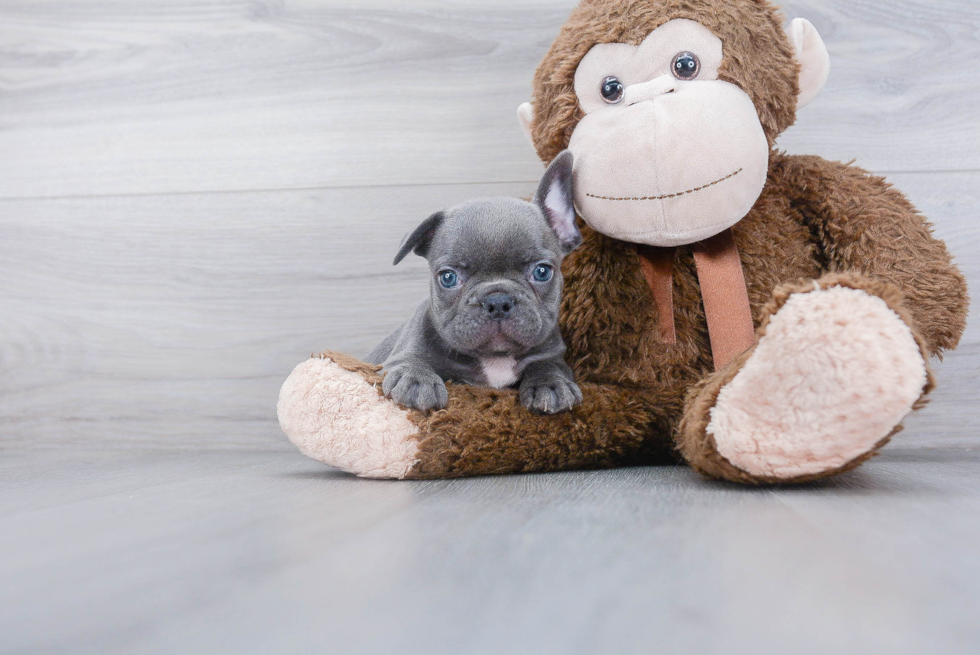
point(549, 395)
point(415, 387)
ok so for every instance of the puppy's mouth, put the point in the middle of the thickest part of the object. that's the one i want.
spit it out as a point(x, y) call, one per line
point(670, 195)
point(501, 338)
point(500, 343)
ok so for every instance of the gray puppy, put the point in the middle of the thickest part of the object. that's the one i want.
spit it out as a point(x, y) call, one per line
point(492, 318)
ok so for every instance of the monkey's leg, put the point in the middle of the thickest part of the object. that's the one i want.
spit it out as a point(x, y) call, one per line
point(837, 367)
point(332, 410)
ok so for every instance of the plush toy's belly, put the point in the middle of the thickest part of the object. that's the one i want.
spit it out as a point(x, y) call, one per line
point(612, 327)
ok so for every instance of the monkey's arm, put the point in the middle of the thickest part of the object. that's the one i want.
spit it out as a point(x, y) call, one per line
point(863, 224)
point(488, 431)
point(331, 408)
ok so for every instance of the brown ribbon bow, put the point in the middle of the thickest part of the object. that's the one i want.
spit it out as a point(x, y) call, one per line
point(723, 292)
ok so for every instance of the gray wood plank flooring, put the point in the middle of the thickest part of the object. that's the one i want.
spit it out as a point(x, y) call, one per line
point(195, 195)
point(197, 552)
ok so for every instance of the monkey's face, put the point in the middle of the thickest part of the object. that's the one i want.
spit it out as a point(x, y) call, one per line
point(666, 154)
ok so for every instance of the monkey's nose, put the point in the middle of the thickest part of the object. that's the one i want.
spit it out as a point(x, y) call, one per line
point(498, 305)
point(649, 90)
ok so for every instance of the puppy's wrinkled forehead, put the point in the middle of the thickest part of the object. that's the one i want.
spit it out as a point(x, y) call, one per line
point(496, 234)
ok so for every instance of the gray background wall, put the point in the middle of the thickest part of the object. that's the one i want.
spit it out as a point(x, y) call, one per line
point(196, 195)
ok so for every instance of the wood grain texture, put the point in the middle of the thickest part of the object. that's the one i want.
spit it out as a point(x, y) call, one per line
point(145, 97)
point(145, 318)
point(172, 320)
point(196, 194)
point(273, 553)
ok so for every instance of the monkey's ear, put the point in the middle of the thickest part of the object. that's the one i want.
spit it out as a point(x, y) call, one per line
point(420, 238)
point(525, 114)
point(554, 197)
point(811, 53)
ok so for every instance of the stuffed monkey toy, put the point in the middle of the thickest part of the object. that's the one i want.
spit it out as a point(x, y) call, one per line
point(765, 318)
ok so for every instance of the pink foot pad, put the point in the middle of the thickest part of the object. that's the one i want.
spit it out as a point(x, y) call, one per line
point(835, 373)
point(337, 417)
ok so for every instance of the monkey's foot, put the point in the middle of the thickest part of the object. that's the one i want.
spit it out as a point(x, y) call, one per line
point(332, 409)
point(832, 377)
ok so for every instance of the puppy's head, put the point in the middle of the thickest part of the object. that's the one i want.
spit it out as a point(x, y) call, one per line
point(496, 266)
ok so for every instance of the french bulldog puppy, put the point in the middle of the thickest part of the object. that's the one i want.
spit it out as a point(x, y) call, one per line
point(492, 317)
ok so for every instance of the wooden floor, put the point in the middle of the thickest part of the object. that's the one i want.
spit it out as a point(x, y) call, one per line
point(195, 195)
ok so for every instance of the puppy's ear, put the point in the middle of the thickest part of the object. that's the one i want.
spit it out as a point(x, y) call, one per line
point(554, 197)
point(420, 238)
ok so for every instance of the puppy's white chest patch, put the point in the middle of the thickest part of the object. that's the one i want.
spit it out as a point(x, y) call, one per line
point(500, 371)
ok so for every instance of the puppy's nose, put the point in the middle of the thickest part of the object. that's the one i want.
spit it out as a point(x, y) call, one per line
point(498, 305)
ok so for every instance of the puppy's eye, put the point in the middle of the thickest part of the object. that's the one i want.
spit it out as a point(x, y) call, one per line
point(542, 273)
point(448, 279)
point(612, 90)
point(686, 66)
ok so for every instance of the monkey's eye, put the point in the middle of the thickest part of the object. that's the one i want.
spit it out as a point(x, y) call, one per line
point(612, 90)
point(448, 279)
point(543, 273)
point(686, 66)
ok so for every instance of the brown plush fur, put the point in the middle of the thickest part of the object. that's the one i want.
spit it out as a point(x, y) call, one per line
point(369, 372)
point(648, 402)
point(758, 58)
point(637, 388)
point(698, 447)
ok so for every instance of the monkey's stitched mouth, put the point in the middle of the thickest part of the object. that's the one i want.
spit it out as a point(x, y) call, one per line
point(672, 195)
